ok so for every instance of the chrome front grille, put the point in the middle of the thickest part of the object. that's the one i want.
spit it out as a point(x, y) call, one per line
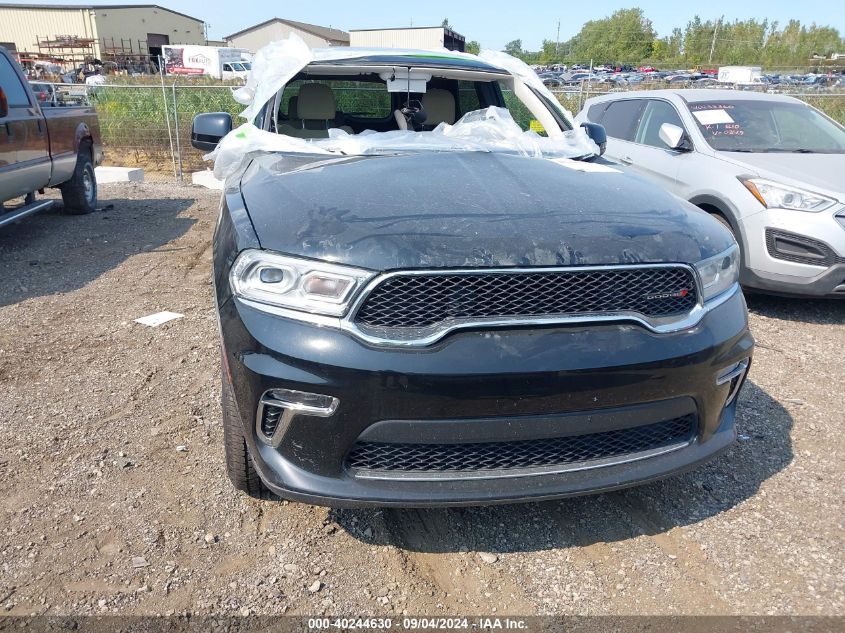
point(412, 304)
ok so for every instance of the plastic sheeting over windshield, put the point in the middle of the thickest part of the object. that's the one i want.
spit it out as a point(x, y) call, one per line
point(521, 70)
point(490, 130)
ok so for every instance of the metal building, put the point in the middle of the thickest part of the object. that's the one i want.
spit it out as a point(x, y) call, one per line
point(425, 37)
point(255, 37)
point(72, 34)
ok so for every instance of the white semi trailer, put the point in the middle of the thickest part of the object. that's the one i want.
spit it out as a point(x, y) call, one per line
point(743, 75)
point(211, 61)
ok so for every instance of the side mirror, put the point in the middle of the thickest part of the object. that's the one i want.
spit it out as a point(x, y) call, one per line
point(674, 137)
point(597, 133)
point(4, 104)
point(209, 128)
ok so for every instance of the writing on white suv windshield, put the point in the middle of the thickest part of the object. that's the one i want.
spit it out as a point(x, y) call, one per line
point(767, 126)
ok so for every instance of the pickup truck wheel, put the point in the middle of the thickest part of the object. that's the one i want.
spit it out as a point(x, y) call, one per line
point(239, 464)
point(80, 192)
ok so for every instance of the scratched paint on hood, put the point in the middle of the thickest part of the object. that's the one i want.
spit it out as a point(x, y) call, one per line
point(458, 209)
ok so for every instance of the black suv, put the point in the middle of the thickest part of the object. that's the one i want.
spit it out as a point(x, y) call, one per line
point(436, 324)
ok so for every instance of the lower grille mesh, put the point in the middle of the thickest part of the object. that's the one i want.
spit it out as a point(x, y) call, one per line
point(800, 249)
point(499, 456)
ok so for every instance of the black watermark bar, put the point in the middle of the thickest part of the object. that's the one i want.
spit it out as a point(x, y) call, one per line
point(374, 624)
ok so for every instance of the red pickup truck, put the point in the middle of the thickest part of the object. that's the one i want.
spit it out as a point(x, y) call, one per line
point(40, 148)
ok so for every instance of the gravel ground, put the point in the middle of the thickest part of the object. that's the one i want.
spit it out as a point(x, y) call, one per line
point(101, 513)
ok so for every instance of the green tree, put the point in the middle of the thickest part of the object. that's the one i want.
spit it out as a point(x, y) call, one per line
point(514, 48)
point(445, 23)
point(625, 36)
point(660, 50)
point(549, 54)
point(473, 47)
point(628, 37)
point(698, 36)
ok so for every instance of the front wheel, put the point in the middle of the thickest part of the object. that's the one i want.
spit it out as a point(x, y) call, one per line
point(239, 464)
point(80, 192)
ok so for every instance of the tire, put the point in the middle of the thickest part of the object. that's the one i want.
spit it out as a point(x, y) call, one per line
point(239, 464)
point(727, 225)
point(80, 192)
point(724, 221)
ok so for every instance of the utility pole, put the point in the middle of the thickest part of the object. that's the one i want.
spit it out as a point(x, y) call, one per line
point(557, 43)
point(713, 43)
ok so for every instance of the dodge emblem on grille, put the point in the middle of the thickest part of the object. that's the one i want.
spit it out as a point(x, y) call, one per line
point(680, 294)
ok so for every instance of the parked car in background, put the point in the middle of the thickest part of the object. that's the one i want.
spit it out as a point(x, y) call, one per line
point(45, 93)
point(435, 321)
point(236, 70)
point(551, 80)
point(679, 78)
point(44, 147)
point(770, 167)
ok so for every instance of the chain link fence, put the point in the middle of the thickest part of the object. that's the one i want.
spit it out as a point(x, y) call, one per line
point(149, 126)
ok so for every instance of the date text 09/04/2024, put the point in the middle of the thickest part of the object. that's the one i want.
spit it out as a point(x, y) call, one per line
point(412, 623)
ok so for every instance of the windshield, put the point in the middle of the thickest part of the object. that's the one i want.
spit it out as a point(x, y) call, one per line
point(360, 102)
point(315, 107)
point(767, 126)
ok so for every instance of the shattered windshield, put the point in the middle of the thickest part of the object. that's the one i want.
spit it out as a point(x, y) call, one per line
point(330, 103)
point(490, 130)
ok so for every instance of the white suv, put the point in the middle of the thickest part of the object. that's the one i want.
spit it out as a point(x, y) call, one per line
point(769, 166)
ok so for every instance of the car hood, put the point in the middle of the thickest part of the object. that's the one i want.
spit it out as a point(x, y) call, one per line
point(819, 172)
point(454, 209)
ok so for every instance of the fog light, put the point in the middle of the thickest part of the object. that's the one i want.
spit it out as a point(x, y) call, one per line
point(734, 375)
point(278, 407)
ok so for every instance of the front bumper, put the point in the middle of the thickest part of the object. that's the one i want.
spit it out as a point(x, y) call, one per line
point(790, 270)
point(483, 384)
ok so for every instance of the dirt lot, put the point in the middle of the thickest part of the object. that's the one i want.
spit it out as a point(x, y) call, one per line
point(102, 514)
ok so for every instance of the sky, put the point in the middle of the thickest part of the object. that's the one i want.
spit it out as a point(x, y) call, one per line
point(493, 23)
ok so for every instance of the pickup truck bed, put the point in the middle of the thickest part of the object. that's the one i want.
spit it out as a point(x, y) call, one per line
point(53, 147)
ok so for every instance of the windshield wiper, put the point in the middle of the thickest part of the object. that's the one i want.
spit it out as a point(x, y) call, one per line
point(778, 150)
point(775, 150)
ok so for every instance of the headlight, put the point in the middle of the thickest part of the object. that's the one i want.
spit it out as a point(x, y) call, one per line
point(718, 273)
point(297, 284)
point(773, 195)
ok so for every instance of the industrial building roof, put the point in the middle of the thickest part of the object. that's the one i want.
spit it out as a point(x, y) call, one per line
point(327, 33)
point(59, 7)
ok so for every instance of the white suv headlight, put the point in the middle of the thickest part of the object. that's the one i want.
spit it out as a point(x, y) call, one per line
point(774, 195)
point(297, 284)
point(718, 273)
